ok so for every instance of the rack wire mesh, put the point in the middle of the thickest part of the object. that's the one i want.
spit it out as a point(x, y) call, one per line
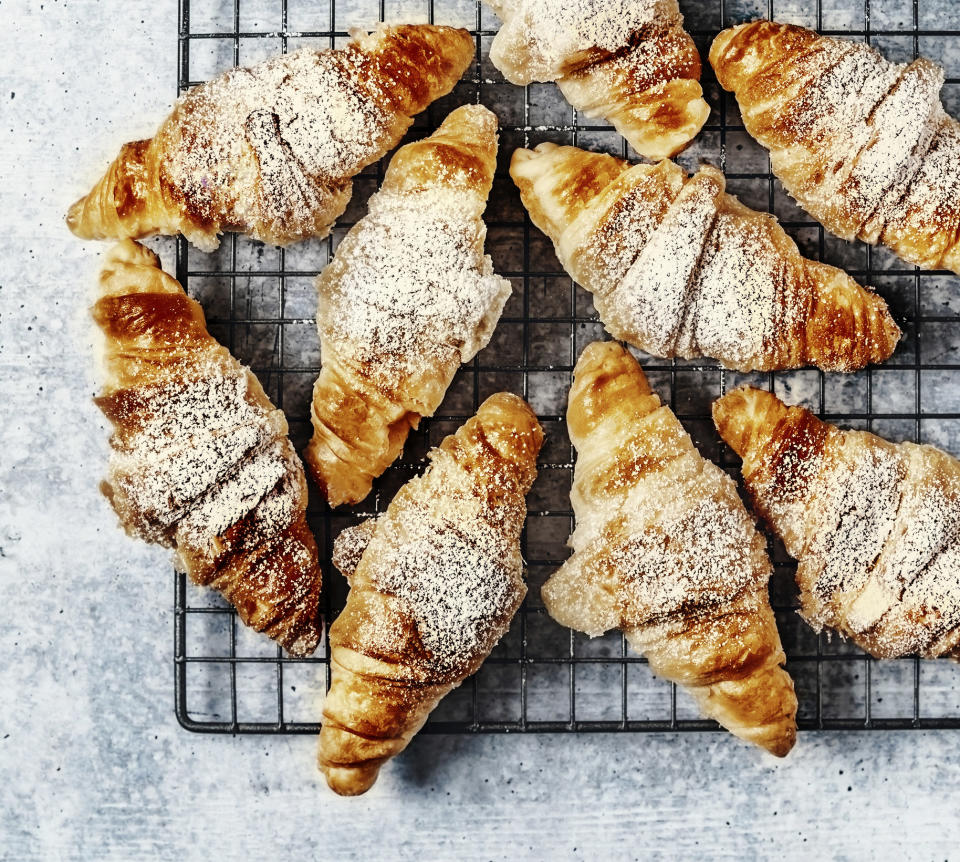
point(260, 301)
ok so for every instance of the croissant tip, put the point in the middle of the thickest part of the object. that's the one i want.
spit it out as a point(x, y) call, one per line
point(598, 351)
point(740, 412)
point(350, 780)
point(74, 220)
point(782, 745)
point(521, 154)
point(609, 360)
point(480, 118)
point(132, 252)
point(339, 483)
point(305, 643)
point(728, 412)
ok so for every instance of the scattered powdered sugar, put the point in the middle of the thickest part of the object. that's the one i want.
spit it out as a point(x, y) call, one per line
point(452, 561)
point(196, 455)
point(416, 294)
point(643, 197)
point(312, 119)
point(696, 555)
point(850, 81)
point(876, 527)
point(457, 581)
point(854, 511)
point(649, 303)
point(164, 413)
point(664, 527)
point(544, 39)
point(883, 152)
point(664, 55)
point(931, 205)
point(903, 126)
point(350, 544)
point(742, 324)
point(708, 279)
point(631, 78)
point(224, 504)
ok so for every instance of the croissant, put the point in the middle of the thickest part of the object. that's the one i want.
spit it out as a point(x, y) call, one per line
point(665, 551)
point(408, 297)
point(270, 150)
point(677, 267)
point(200, 458)
point(875, 525)
point(863, 144)
point(434, 584)
point(631, 63)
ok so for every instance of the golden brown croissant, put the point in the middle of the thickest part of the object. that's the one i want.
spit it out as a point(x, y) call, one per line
point(270, 150)
point(665, 551)
point(409, 296)
point(863, 144)
point(201, 461)
point(631, 63)
point(434, 583)
point(677, 267)
point(875, 525)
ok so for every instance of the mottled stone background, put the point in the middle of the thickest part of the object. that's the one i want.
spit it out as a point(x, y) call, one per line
point(92, 762)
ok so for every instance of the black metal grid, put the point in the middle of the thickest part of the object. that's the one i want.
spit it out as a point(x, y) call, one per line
point(543, 677)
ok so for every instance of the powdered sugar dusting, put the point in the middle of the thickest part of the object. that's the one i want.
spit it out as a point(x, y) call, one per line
point(851, 80)
point(929, 212)
point(416, 295)
point(856, 509)
point(876, 528)
point(741, 324)
point(903, 125)
point(649, 304)
point(697, 554)
point(198, 454)
point(660, 526)
point(664, 54)
point(449, 554)
point(708, 279)
point(543, 39)
point(456, 580)
point(881, 160)
point(310, 119)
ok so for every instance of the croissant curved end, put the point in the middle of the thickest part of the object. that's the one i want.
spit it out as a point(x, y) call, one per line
point(606, 381)
point(75, 217)
point(129, 251)
point(722, 41)
point(503, 416)
point(739, 413)
point(475, 117)
point(521, 155)
point(350, 780)
point(739, 53)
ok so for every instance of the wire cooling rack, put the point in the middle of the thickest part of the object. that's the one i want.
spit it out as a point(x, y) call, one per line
point(260, 301)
